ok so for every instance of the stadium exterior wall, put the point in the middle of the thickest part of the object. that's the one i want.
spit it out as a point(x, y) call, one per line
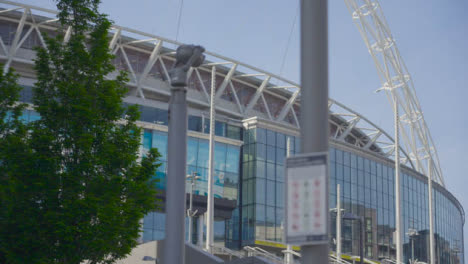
point(255, 119)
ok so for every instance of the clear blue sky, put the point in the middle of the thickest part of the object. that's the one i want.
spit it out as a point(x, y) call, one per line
point(432, 36)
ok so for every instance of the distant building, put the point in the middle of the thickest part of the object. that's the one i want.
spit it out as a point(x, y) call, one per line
point(257, 113)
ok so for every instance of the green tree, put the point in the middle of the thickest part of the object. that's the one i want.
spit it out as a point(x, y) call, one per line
point(72, 185)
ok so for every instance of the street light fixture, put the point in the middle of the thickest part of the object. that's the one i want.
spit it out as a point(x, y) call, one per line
point(187, 56)
point(352, 217)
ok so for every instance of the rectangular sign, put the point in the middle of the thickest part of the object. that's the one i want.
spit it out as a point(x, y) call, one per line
point(306, 218)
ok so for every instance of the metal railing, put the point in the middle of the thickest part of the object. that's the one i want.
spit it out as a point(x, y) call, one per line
point(215, 249)
point(260, 252)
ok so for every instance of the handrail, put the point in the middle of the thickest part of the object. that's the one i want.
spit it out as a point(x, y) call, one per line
point(224, 250)
point(256, 251)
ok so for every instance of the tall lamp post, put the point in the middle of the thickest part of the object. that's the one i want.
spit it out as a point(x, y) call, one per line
point(314, 98)
point(187, 56)
point(190, 213)
point(350, 216)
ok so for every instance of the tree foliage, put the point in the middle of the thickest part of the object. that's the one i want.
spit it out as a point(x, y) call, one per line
point(72, 187)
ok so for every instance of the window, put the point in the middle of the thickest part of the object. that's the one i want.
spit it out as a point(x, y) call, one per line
point(260, 191)
point(271, 137)
point(195, 123)
point(147, 139)
point(160, 142)
point(232, 159)
point(261, 152)
point(203, 150)
point(220, 129)
point(280, 140)
point(234, 132)
point(261, 135)
point(192, 151)
point(220, 156)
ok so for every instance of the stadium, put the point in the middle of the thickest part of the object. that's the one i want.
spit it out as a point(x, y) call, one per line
point(257, 114)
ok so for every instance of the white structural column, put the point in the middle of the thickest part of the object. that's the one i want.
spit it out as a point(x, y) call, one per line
point(398, 241)
point(338, 223)
point(431, 217)
point(288, 254)
point(210, 202)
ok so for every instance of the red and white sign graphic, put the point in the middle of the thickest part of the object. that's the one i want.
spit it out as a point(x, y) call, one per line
point(306, 201)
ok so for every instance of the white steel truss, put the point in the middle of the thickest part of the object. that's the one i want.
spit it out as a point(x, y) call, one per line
point(244, 91)
point(397, 84)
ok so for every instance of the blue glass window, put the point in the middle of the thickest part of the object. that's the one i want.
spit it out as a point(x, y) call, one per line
point(232, 159)
point(147, 139)
point(234, 132)
point(260, 191)
point(261, 135)
point(195, 123)
point(261, 151)
point(192, 151)
point(280, 140)
point(270, 171)
point(220, 128)
point(271, 137)
point(160, 142)
point(203, 150)
point(260, 169)
point(270, 193)
point(271, 154)
point(220, 156)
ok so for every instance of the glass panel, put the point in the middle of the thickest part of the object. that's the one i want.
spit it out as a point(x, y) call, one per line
point(160, 142)
point(280, 155)
point(220, 128)
point(280, 140)
point(203, 150)
point(195, 123)
point(260, 191)
point(192, 151)
point(220, 156)
point(270, 193)
point(270, 171)
point(271, 154)
point(147, 139)
point(261, 151)
point(234, 132)
point(232, 159)
point(271, 137)
point(279, 194)
point(260, 169)
point(261, 135)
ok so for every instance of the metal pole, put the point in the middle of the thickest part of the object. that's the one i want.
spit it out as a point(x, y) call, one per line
point(398, 244)
point(174, 248)
point(431, 216)
point(314, 97)
point(361, 240)
point(189, 212)
point(338, 223)
point(210, 203)
point(200, 230)
point(289, 255)
point(412, 249)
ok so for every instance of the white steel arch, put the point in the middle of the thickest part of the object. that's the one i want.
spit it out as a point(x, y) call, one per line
point(244, 90)
point(397, 84)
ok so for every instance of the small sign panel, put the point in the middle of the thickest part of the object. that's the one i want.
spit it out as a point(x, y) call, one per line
point(306, 199)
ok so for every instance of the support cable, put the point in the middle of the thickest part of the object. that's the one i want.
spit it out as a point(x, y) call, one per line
point(181, 7)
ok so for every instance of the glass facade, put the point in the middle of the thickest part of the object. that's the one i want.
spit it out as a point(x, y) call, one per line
point(226, 177)
point(367, 189)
